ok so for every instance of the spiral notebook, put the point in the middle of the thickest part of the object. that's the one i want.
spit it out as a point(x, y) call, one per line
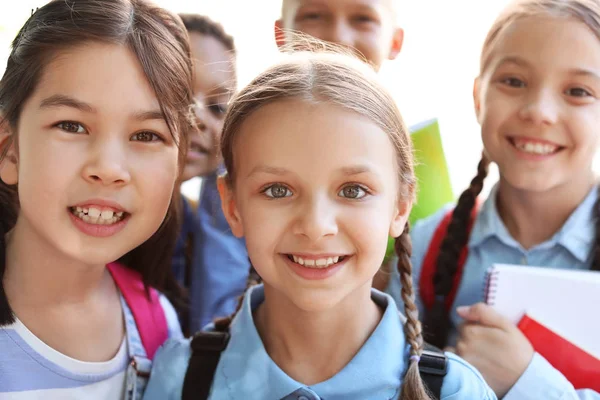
point(565, 301)
point(556, 310)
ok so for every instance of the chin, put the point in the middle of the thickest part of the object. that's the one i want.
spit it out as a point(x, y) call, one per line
point(536, 183)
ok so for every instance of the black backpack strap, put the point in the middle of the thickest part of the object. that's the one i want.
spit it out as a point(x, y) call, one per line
point(206, 352)
point(433, 366)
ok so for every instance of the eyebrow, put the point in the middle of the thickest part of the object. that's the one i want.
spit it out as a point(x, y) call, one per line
point(355, 170)
point(265, 169)
point(346, 171)
point(513, 60)
point(572, 71)
point(61, 100)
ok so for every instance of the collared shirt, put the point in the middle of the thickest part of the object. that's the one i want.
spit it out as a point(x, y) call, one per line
point(220, 263)
point(491, 243)
point(246, 371)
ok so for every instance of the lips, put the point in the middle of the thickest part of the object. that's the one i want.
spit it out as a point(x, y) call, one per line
point(99, 212)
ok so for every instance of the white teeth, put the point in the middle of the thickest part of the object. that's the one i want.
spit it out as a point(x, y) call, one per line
point(318, 263)
point(107, 214)
point(535, 148)
point(96, 217)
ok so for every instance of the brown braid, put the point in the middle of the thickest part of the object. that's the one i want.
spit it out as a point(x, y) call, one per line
point(596, 251)
point(412, 387)
point(437, 319)
point(222, 324)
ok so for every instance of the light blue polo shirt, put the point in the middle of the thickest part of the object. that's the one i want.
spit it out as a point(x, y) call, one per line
point(246, 371)
point(490, 243)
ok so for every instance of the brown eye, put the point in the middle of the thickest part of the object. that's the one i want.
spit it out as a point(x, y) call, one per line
point(145, 137)
point(71, 127)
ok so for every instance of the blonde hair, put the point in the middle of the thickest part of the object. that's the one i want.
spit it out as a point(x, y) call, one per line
point(437, 320)
point(585, 11)
point(324, 76)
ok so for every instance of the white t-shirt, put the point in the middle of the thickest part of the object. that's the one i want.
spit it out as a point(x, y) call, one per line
point(32, 370)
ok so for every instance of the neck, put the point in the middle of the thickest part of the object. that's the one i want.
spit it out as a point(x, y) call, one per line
point(313, 346)
point(39, 275)
point(534, 217)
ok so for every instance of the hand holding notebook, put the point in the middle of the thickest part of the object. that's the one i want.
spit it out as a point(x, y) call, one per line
point(557, 310)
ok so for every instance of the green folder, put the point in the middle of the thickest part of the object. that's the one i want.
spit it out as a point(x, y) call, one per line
point(434, 189)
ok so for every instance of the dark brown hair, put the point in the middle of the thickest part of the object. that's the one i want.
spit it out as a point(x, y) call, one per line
point(205, 26)
point(160, 42)
point(321, 76)
point(437, 320)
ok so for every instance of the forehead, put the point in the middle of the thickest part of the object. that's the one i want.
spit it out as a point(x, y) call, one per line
point(549, 43)
point(289, 8)
point(312, 139)
point(107, 76)
point(213, 62)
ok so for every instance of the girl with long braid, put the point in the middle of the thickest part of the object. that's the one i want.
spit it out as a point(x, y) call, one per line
point(537, 101)
point(320, 172)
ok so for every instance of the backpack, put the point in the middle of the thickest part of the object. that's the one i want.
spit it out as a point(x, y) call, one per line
point(208, 346)
point(144, 304)
point(429, 266)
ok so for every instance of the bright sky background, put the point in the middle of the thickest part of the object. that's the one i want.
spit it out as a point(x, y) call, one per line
point(432, 77)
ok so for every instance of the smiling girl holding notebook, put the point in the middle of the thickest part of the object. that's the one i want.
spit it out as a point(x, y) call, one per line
point(537, 101)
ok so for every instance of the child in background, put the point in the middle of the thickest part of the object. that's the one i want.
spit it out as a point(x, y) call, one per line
point(537, 101)
point(367, 27)
point(208, 261)
point(319, 173)
point(92, 140)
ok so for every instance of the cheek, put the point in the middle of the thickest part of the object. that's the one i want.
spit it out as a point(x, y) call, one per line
point(155, 175)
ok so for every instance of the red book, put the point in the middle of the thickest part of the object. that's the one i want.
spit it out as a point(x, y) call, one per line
point(580, 367)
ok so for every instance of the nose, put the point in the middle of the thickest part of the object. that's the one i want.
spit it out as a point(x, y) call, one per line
point(200, 113)
point(540, 107)
point(316, 218)
point(107, 163)
point(340, 32)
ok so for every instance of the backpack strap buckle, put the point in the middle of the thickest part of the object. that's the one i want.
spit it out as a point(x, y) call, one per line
point(434, 363)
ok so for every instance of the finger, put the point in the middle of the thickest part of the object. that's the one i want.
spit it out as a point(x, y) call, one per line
point(485, 315)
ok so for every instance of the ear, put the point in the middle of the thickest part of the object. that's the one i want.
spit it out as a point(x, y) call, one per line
point(229, 207)
point(279, 33)
point(401, 214)
point(8, 165)
point(397, 41)
point(476, 99)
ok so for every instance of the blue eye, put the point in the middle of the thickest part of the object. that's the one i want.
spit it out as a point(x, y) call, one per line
point(355, 192)
point(71, 127)
point(277, 191)
point(145, 136)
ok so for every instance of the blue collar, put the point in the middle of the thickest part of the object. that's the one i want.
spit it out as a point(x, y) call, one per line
point(576, 235)
point(374, 371)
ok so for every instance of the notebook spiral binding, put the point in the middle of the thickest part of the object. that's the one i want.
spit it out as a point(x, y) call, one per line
point(490, 287)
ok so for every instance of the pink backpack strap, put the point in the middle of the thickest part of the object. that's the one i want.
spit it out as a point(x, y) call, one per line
point(148, 313)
